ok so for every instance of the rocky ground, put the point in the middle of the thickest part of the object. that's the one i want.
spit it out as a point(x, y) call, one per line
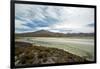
point(28, 54)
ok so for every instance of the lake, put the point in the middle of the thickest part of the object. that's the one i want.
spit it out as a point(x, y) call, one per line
point(79, 46)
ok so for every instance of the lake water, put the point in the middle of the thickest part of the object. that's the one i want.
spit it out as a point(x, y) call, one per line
point(81, 47)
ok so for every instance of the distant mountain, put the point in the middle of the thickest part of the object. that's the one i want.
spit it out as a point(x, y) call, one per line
point(46, 33)
point(40, 33)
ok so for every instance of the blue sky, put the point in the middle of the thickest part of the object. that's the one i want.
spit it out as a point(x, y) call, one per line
point(30, 18)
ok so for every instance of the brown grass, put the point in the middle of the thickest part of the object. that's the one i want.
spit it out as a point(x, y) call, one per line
point(27, 53)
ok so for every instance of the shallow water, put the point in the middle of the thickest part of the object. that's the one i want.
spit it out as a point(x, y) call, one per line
point(80, 47)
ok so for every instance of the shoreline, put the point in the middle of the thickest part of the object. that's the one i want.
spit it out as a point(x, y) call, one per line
point(26, 53)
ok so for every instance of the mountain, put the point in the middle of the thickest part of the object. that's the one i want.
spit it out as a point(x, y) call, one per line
point(46, 33)
point(40, 33)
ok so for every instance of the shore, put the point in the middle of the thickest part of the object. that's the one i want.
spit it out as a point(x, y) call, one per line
point(29, 54)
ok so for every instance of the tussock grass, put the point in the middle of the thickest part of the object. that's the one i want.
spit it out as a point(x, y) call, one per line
point(27, 54)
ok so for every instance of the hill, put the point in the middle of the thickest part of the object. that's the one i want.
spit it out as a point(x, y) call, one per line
point(40, 33)
point(46, 33)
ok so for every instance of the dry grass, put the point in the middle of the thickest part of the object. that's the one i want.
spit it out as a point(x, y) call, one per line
point(27, 54)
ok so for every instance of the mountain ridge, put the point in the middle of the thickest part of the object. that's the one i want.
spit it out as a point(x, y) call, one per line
point(46, 33)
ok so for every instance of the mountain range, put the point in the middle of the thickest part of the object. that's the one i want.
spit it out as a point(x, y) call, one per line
point(46, 33)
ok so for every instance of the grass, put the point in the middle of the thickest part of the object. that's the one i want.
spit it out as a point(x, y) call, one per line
point(82, 50)
point(32, 54)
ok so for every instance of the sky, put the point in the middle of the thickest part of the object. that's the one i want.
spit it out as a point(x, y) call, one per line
point(30, 18)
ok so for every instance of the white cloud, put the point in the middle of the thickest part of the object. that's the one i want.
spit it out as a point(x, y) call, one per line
point(76, 19)
point(69, 18)
point(20, 25)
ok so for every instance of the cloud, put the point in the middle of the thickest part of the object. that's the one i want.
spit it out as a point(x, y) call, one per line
point(20, 24)
point(34, 16)
point(76, 20)
point(90, 25)
point(54, 18)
